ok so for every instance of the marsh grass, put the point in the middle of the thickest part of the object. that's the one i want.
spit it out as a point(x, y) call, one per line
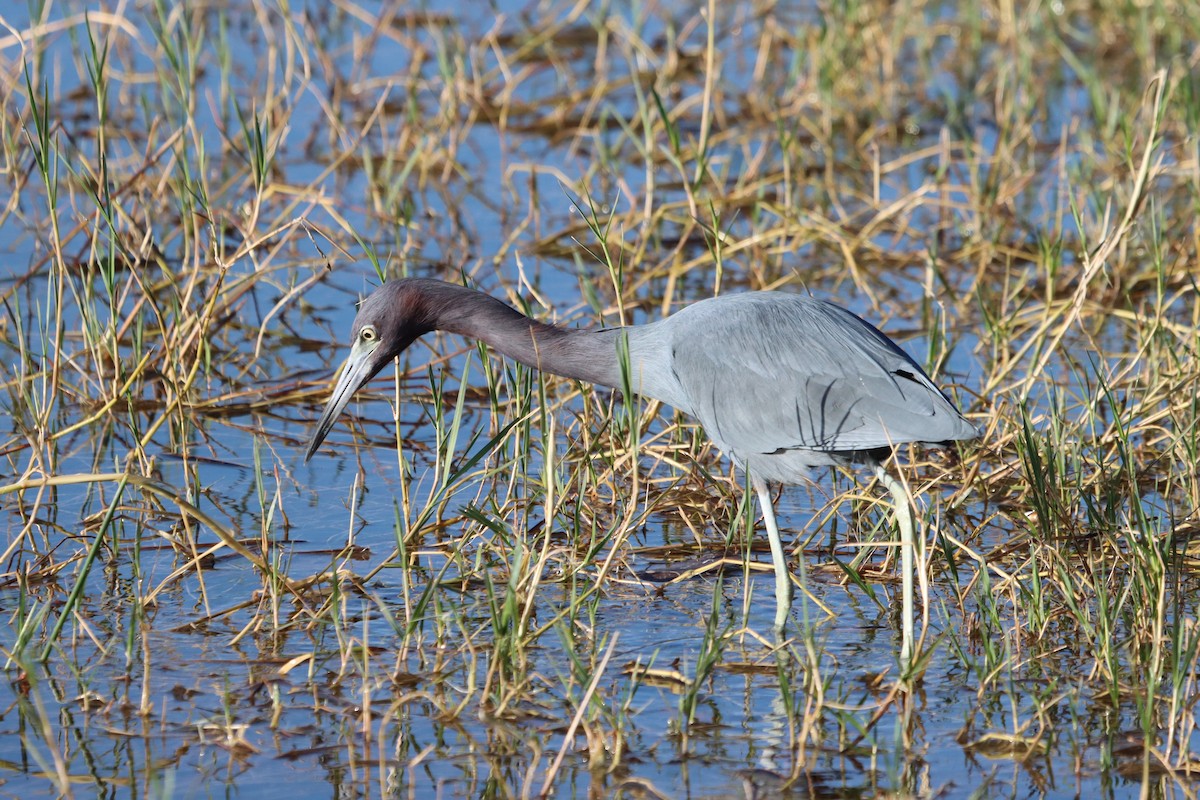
point(566, 602)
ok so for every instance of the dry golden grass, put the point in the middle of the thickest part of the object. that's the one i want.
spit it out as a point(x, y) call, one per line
point(197, 195)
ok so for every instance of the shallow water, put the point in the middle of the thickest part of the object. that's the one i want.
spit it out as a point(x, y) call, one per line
point(505, 626)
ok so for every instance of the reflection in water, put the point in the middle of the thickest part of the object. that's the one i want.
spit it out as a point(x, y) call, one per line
point(488, 590)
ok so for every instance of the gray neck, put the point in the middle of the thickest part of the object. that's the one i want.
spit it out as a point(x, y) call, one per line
point(585, 355)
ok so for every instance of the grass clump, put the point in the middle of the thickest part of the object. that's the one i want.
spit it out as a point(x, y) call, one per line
point(515, 584)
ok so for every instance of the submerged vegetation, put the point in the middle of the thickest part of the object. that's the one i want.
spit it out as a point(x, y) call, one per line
point(498, 583)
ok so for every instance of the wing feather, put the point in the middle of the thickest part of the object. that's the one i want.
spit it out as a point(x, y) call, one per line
point(767, 372)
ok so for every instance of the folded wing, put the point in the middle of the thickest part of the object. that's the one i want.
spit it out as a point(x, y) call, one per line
point(769, 372)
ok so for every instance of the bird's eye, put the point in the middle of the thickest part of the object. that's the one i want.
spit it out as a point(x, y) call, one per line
point(367, 334)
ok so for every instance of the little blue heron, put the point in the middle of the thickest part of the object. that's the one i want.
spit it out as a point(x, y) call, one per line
point(781, 383)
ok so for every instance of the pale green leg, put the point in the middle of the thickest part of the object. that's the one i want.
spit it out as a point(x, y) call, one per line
point(783, 580)
point(904, 520)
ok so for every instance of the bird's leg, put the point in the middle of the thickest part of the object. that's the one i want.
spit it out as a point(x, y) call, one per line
point(783, 580)
point(904, 520)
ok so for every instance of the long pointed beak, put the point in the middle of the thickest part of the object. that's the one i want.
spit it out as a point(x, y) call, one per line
point(357, 370)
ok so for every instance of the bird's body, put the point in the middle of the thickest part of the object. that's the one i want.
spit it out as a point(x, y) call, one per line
point(783, 383)
point(780, 382)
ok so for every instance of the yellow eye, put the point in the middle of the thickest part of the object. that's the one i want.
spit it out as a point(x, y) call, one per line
point(367, 334)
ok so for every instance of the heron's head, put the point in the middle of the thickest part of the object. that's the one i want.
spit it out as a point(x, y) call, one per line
point(388, 321)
